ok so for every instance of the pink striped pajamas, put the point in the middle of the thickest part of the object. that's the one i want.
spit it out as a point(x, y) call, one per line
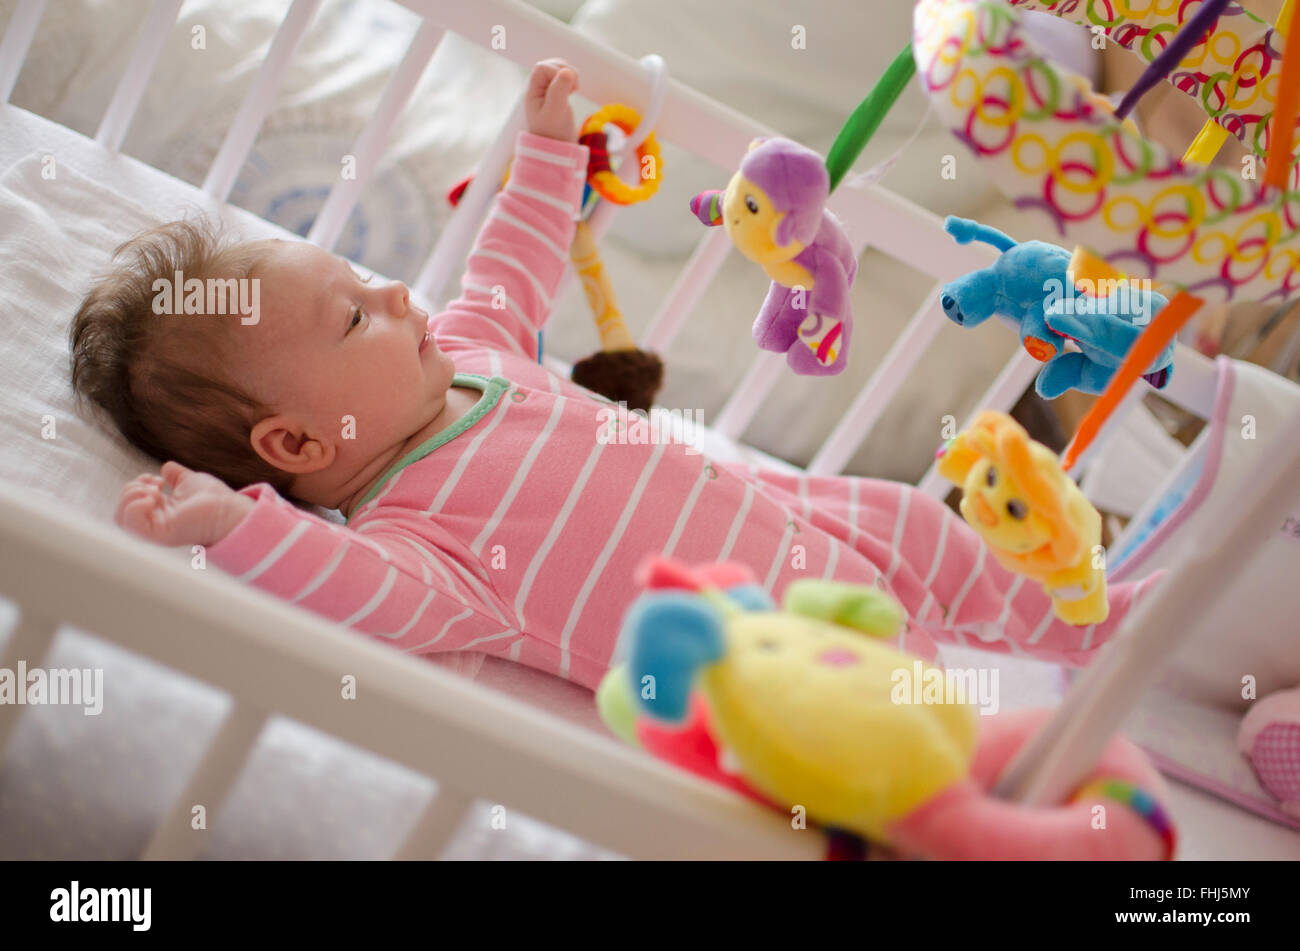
point(517, 531)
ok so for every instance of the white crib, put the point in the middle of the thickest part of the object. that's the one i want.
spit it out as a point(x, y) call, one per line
point(272, 659)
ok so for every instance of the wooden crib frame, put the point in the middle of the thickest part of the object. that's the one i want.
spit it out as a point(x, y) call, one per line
point(271, 658)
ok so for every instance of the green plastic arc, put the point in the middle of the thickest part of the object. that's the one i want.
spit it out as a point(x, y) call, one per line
point(866, 118)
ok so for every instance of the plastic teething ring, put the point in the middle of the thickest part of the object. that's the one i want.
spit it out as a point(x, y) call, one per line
point(600, 175)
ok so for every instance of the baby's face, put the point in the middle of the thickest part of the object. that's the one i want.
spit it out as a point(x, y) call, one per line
point(338, 358)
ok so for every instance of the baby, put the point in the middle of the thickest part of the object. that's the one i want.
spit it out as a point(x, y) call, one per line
point(490, 508)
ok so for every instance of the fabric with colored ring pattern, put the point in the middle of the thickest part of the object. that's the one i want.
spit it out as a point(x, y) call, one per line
point(1055, 147)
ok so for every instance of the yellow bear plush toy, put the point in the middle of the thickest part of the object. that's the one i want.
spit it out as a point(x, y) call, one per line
point(1030, 513)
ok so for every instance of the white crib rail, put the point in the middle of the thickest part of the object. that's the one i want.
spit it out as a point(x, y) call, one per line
point(327, 227)
point(273, 658)
point(17, 40)
point(155, 30)
point(257, 103)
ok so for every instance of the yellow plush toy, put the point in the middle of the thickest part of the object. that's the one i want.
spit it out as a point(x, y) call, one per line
point(805, 702)
point(806, 708)
point(1030, 513)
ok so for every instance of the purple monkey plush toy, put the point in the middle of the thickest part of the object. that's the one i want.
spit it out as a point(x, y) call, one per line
point(774, 209)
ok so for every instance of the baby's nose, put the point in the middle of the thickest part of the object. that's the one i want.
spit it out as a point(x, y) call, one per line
point(400, 298)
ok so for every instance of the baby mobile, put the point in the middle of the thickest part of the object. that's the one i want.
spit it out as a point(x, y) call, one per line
point(1205, 234)
point(774, 210)
point(619, 371)
point(1135, 216)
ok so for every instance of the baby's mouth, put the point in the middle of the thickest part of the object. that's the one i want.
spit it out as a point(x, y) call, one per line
point(424, 341)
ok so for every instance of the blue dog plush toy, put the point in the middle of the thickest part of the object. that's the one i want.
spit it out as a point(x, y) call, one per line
point(1030, 286)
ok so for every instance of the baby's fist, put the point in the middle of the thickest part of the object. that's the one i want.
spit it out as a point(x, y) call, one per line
point(546, 104)
point(180, 507)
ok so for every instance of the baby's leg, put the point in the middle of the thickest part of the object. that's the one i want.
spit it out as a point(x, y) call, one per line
point(962, 595)
point(939, 569)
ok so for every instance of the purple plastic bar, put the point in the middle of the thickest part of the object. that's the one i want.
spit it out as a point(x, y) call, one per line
point(1196, 27)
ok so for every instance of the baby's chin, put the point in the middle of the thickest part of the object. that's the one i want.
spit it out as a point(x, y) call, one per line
point(448, 366)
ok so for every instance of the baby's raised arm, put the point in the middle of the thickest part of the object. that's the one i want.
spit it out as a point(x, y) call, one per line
point(517, 261)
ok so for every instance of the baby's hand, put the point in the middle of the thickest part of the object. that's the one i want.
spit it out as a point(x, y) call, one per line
point(200, 509)
point(547, 102)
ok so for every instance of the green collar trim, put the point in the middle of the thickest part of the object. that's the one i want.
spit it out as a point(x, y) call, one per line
point(492, 388)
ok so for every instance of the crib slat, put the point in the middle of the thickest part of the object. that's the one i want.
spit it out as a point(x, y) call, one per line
point(369, 147)
point(154, 32)
point(1014, 379)
point(745, 400)
point(454, 242)
point(690, 286)
point(439, 821)
point(16, 43)
point(30, 642)
point(871, 401)
point(209, 784)
point(257, 103)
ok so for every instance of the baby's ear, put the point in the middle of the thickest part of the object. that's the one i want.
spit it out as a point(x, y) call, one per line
point(283, 442)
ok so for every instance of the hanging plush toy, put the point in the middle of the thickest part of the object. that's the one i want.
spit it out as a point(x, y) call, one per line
point(807, 706)
point(619, 371)
point(1032, 286)
point(774, 210)
point(1032, 516)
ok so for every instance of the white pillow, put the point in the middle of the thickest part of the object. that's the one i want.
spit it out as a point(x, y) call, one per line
point(57, 234)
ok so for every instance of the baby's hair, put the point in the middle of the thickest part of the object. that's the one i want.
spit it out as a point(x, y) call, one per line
point(159, 376)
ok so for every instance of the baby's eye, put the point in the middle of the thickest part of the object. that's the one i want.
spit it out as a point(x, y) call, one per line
point(356, 318)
